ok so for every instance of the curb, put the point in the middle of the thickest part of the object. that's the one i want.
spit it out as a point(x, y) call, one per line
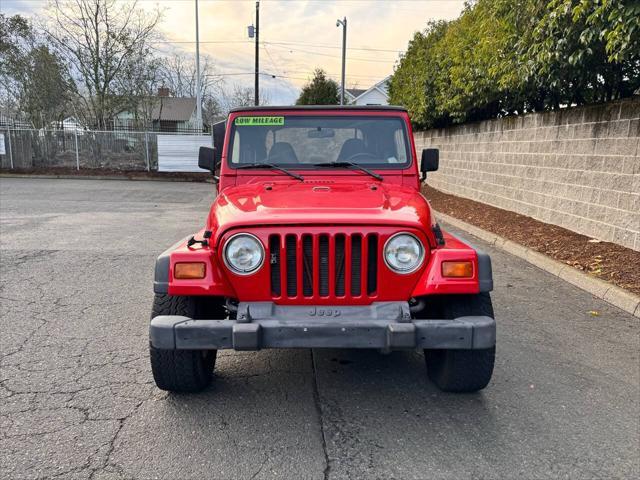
point(612, 294)
point(102, 177)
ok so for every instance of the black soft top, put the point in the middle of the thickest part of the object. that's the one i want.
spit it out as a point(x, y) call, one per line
point(349, 108)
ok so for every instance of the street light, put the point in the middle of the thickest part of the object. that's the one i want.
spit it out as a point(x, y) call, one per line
point(343, 22)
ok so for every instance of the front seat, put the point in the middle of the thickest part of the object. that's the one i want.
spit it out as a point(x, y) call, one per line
point(282, 152)
point(350, 148)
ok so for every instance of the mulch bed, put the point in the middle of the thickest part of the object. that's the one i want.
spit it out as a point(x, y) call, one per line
point(103, 172)
point(605, 260)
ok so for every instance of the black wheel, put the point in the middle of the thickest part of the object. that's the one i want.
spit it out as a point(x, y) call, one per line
point(183, 370)
point(462, 370)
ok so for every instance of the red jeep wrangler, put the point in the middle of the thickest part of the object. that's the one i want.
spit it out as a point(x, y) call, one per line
point(320, 238)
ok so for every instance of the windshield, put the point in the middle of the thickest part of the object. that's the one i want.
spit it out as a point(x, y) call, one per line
point(304, 141)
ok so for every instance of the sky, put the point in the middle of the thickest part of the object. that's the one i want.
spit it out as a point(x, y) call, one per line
point(296, 36)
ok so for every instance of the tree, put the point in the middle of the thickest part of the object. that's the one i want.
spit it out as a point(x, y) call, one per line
point(505, 57)
point(587, 51)
point(141, 81)
point(179, 74)
point(240, 96)
point(320, 91)
point(617, 22)
point(479, 64)
point(35, 80)
point(102, 40)
point(15, 34)
point(414, 82)
point(47, 89)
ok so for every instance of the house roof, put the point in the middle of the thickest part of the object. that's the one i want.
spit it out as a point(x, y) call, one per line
point(355, 92)
point(380, 86)
point(179, 109)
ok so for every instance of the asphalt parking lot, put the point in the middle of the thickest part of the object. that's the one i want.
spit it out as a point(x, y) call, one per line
point(77, 398)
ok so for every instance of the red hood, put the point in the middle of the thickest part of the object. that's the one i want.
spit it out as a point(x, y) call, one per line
point(318, 203)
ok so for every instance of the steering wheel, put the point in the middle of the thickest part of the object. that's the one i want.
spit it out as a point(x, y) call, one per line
point(359, 154)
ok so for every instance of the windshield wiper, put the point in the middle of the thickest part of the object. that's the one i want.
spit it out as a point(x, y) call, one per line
point(350, 165)
point(272, 166)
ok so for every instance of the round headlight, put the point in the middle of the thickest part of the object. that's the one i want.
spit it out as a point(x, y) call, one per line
point(243, 253)
point(403, 253)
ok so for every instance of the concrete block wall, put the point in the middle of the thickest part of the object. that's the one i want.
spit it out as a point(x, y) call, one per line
point(578, 168)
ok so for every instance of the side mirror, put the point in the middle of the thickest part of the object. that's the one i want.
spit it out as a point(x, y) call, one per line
point(207, 158)
point(430, 161)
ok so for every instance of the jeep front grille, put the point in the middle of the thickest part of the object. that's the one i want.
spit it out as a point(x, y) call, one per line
point(322, 265)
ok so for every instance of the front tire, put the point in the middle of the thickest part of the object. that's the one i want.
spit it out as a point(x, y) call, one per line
point(181, 370)
point(462, 371)
point(184, 371)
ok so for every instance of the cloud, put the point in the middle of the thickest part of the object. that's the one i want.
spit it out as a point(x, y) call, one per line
point(297, 36)
point(26, 8)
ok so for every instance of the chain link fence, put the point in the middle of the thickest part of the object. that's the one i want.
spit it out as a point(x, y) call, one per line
point(80, 149)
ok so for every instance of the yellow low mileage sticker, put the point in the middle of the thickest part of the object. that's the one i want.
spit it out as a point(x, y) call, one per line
point(259, 121)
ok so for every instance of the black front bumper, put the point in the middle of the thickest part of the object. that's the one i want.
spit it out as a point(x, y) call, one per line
point(386, 325)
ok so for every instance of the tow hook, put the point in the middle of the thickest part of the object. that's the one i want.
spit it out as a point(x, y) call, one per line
point(416, 305)
point(205, 242)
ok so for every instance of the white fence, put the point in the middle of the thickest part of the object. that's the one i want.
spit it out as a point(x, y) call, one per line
point(179, 153)
point(108, 150)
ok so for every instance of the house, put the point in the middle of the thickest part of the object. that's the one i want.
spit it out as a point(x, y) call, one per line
point(69, 124)
point(165, 114)
point(378, 94)
point(172, 114)
point(352, 93)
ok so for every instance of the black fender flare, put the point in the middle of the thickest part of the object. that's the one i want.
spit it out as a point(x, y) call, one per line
point(485, 271)
point(163, 263)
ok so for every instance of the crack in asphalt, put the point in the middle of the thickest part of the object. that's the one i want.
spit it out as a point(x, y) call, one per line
point(74, 372)
point(316, 398)
point(48, 311)
point(77, 399)
point(264, 462)
point(111, 443)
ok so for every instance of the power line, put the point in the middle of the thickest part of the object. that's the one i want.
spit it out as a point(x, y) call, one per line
point(268, 42)
point(334, 74)
point(335, 56)
point(273, 63)
point(273, 76)
point(281, 46)
point(186, 42)
point(286, 70)
point(323, 45)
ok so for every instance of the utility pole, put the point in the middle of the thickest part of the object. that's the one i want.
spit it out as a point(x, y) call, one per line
point(257, 31)
point(343, 22)
point(198, 86)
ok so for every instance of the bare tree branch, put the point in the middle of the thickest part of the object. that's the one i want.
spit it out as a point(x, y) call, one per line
point(103, 41)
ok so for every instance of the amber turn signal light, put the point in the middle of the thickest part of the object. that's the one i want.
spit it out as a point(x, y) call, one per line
point(457, 269)
point(186, 271)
